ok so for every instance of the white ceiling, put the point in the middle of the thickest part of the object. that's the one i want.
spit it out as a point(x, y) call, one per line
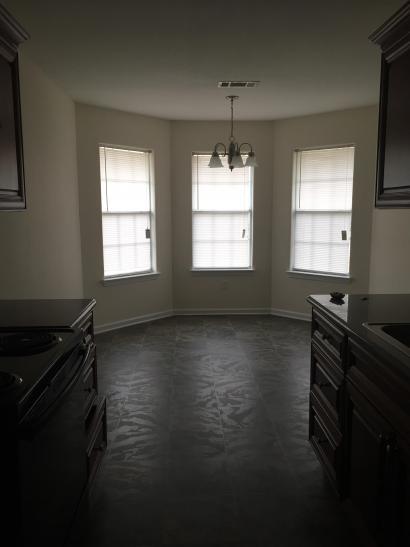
point(164, 58)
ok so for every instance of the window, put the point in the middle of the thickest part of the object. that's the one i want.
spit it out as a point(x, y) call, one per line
point(222, 203)
point(127, 211)
point(322, 210)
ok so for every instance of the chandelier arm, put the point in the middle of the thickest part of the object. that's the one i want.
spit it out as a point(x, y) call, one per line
point(246, 144)
point(216, 147)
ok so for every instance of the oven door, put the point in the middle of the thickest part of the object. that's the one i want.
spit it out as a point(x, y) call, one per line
point(52, 464)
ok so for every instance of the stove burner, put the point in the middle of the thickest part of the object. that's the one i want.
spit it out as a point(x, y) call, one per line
point(27, 343)
point(8, 380)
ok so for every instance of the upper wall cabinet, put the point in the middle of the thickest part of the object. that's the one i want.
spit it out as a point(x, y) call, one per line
point(12, 195)
point(393, 160)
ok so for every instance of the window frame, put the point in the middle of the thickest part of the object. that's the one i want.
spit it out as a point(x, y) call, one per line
point(152, 272)
point(316, 274)
point(251, 266)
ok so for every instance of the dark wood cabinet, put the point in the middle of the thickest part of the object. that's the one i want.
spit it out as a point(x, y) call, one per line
point(393, 163)
point(359, 427)
point(12, 191)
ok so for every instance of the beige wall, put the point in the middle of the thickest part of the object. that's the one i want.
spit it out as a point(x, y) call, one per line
point(358, 126)
point(213, 289)
point(40, 247)
point(390, 252)
point(123, 300)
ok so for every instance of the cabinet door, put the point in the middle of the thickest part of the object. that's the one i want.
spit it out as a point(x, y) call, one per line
point(12, 195)
point(403, 515)
point(393, 161)
point(373, 470)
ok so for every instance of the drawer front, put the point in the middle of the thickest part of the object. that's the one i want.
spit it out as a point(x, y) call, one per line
point(326, 439)
point(97, 435)
point(327, 444)
point(87, 326)
point(326, 382)
point(330, 339)
point(90, 383)
point(321, 438)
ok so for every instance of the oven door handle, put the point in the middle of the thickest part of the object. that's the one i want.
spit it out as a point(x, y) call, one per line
point(29, 427)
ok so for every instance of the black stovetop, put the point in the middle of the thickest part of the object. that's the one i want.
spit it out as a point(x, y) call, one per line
point(50, 314)
point(35, 369)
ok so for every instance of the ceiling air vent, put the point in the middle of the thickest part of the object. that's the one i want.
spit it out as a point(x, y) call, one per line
point(238, 83)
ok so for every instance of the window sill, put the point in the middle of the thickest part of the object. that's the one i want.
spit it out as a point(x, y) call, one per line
point(320, 276)
point(124, 278)
point(223, 271)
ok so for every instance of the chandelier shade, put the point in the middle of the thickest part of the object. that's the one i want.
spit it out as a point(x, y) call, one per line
point(251, 160)
point(234, 149)
point(215, 160)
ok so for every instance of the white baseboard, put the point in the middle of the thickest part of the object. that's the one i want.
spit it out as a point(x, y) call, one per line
point(291, 314)
point(222, 311)
point(199, 311)
point(132, 321)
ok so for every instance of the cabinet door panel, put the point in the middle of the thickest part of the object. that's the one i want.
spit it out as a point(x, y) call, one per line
point(373, 479)
point(403, 514)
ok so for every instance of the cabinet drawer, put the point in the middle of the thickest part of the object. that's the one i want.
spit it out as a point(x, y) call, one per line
point(330, 339)
point(90, 383)
point(87, 326)
point(323, 442)
point(97, 437)
point(327, 444)
point(326, 382)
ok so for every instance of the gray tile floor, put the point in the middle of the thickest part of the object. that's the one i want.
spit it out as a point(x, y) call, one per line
point(208, 420)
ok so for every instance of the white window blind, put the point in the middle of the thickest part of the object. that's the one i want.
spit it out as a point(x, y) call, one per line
point(222, 203)
point(322, 210)
point(127, 212)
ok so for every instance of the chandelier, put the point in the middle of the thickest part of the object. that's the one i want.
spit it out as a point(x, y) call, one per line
point(234, 150)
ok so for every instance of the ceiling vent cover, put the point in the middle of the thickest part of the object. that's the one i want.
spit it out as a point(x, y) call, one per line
point(238, 83)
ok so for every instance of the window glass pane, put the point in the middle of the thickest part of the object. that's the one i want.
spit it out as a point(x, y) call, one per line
point(125, 180)
point(326, 179)
point(126, 248)
point(221, 240)
point(322, 210)
point(219, 189)
point(318, 242)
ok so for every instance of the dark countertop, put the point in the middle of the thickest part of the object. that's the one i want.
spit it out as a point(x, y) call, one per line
point(58, 313)
point(369, 308)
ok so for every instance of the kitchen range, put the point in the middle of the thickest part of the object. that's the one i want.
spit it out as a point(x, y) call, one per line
point(53, 421)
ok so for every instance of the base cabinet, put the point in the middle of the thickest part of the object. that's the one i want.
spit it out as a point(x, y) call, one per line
point(359, 428)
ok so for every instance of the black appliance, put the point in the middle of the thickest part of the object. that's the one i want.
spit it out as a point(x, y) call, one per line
point(42, 428)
